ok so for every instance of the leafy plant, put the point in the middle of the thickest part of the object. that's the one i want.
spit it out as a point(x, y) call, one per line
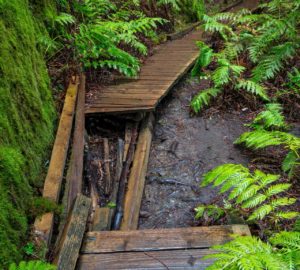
point(32, 265)
point(255, 194)
point(269, 40)
point(259, 139)
point(247, 252)
point(270, 119)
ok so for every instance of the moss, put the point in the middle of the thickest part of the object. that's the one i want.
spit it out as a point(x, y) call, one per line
point(26, 122)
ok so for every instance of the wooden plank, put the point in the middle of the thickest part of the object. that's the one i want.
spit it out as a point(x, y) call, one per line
point(102, 219)
point(43, 225)
point(125, 100)
point(76, 163)
point(137, 176)
point(183, 32)
point(67, 254)
point(160, 239)
point(155, 260)
point(95, 110)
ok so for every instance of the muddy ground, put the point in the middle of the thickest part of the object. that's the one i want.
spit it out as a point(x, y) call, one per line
point(183, 149)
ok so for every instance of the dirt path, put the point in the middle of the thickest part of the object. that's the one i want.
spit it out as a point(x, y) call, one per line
point(183, 149)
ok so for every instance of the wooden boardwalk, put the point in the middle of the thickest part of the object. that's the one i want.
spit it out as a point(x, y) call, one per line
point(159, 249)
point(158, 75)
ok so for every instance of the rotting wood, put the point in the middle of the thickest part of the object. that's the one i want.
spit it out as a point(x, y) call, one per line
point(107, 161)
point(43, 225)
point(122, 183)
point(67, 254)
point(102, 219)
point(160, 239)
point(76, 164)
point(137, 176)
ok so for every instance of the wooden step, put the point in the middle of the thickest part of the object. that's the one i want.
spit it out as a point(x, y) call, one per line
point(179, 248)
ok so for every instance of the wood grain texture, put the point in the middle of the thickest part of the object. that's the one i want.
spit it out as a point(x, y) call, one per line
point(69, 247)
point(137, 176)
point(43, 225)
point(152, 260)
point(160, 239)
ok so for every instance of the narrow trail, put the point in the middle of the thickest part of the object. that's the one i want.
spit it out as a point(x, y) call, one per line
point(183, 149)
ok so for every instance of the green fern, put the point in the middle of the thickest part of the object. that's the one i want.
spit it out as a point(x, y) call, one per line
point(247, 252)
point(203, 60)
point(270, 119)
point(32, 265)
point(204, 98)
point(259, 139)
point(252, 192)
point(253, 88)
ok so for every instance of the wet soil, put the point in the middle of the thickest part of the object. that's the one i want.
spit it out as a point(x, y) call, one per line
point(183, 149)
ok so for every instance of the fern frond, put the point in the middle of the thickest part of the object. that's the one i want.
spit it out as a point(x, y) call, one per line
point(258, 139)
point(32, 265)
point(270, 119)
point(203, 60)
point(261, 212)
point(275, 189)
point(253, 88)
point(223, 173)
point(204, 98)
point(273, 62)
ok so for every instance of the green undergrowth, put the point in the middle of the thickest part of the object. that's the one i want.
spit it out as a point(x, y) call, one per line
point(26, 123)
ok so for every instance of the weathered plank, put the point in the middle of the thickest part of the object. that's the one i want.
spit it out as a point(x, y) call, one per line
point(160, 239)
point(67, 254)
point(74, 178)
point(43, 225)
point(190, 259)
point(137, 176)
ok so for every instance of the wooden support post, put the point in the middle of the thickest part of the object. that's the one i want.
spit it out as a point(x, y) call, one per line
point(137, 175)
point(43, 225)
point(68, 251)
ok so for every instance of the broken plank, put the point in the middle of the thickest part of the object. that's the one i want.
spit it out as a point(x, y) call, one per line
point(160, 239)
point(137, 176)
point(67, 254)
point(43, 225)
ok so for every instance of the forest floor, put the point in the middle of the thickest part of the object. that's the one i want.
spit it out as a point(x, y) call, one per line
point(183, 149)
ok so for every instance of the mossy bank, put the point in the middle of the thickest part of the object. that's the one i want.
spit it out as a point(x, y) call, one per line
point(27, 115)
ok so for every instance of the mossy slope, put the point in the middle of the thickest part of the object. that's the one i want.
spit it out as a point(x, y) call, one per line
point(26, 122)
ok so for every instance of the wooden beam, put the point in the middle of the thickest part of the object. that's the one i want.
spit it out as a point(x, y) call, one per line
point(190, 259)
point(76, 163)
point(137, 176)
point(68, 251)
point(43, 225)
point(160, 239)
